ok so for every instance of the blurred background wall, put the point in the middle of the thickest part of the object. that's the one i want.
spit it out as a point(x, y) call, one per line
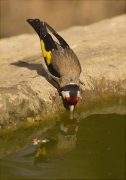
point(59, 14)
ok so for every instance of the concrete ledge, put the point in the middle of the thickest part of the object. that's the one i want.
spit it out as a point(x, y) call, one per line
point(26, 95)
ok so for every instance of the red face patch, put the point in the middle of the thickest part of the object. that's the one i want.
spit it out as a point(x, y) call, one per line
point(72, 101)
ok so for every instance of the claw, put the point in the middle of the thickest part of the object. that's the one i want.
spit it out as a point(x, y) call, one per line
point(81, 82)
point(88, 84)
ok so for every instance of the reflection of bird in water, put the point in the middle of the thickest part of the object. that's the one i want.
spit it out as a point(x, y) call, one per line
point(68, 127)
point(62, 141)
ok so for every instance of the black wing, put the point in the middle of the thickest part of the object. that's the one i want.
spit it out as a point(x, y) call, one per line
point(47, 42)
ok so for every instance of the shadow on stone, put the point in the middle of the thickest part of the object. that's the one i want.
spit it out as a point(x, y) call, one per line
point(38, 67)
point(40, 71)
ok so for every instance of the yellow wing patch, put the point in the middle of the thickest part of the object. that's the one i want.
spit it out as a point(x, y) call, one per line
point(46, 54)
point(41, 151)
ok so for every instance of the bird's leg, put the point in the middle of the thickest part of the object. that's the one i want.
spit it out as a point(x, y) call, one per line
point(88, 83)
point(81, 82)
point(54, 83)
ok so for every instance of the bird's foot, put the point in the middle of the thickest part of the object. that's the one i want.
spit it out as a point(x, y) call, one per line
point(87, 84)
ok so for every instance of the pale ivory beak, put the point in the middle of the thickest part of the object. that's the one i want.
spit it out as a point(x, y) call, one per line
point(71, 111)
point(71, 108)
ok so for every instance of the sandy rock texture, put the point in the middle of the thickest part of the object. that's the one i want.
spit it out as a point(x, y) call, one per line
point(26, 94)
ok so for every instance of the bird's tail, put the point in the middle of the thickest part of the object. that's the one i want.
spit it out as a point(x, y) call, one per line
point(41, 30)
point(47, 42)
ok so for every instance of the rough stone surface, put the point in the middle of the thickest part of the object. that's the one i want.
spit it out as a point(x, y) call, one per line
point(25, 93)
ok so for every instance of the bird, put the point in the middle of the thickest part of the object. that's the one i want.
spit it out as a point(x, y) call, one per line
point(60, 62)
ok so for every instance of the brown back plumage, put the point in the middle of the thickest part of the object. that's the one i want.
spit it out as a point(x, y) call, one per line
point(67, 65)
point(60, 62)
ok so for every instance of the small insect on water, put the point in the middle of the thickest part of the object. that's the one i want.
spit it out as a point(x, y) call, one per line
point(60, 63)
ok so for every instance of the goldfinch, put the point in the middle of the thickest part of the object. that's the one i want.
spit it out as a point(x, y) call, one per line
point(60, 62)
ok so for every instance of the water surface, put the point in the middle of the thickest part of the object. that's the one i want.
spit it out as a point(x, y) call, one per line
point(88, 148)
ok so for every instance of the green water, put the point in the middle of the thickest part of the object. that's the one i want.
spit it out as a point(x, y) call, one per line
point(92, 148)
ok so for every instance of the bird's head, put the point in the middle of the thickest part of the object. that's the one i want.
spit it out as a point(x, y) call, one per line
point(71, 93)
